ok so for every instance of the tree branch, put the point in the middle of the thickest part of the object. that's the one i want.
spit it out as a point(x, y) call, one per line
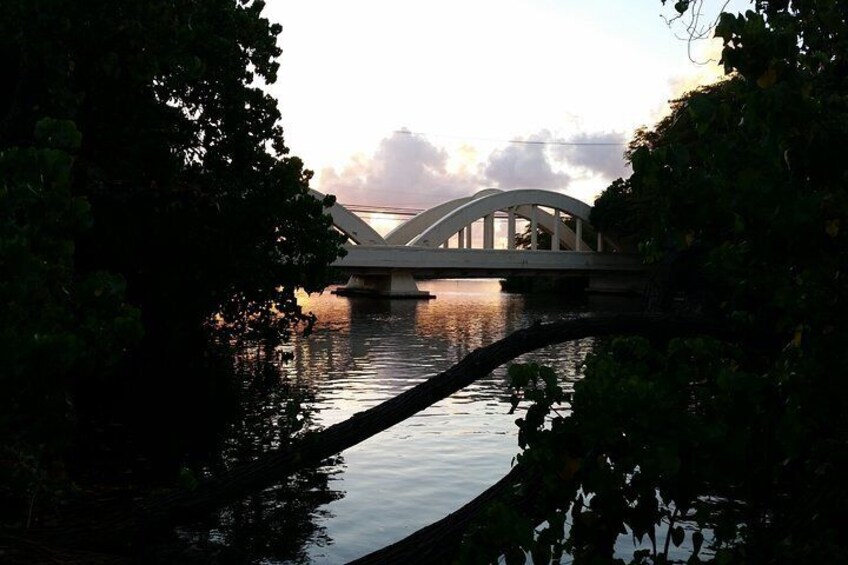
point(439, 542)
point(100, 527)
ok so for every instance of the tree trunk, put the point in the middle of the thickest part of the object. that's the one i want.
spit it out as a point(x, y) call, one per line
point(117, 527)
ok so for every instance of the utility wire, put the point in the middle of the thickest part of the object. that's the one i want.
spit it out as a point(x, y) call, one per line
point(383, 215)
point(378, 208)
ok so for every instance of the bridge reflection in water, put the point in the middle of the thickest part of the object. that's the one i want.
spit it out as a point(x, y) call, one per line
point(421, 246)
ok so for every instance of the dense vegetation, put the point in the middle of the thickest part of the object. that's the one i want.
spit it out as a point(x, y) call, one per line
point(147, 204)
point(738, 200)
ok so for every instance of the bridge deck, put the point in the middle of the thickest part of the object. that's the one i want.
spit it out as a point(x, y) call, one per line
point(439, 262)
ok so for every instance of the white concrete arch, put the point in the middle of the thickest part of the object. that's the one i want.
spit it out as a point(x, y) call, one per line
point(350, 224)
point(545, 221)
point(415, 226)
point(521, 201)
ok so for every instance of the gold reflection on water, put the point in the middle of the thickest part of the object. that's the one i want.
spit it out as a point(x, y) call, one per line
point(364, 351)
point(382, 338)
point(331, 312)
point(470, 312)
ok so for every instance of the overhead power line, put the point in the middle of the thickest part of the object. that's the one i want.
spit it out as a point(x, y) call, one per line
point(522, 141)
point(384, 210)
point(376, 207)
point(379, 214)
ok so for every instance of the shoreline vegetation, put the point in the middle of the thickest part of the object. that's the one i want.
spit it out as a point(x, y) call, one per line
point(154, 231)
point(564, 286)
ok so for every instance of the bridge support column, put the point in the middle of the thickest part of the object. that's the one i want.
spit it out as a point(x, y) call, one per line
point(468, 236)
point(578, 245)
point(489, 232)
point(555, 237)
point(534, 227)
point(510, 228)
point(397, 284)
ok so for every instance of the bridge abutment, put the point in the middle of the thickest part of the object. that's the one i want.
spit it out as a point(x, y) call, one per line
point(398, 284)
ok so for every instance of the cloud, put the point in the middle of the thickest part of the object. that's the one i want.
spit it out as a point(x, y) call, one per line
point(525, 165)
point(541, 160)
point(599, 153)
point(406, 170)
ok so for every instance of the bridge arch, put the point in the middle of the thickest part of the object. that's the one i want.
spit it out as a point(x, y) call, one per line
point(521, 201)
point(413, 227)
point(350, 224)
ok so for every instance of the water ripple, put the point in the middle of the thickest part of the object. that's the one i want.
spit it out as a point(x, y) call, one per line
point(365, 351)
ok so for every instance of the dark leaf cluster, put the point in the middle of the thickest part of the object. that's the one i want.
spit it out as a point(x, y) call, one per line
point(739, 199)
point(146, 189)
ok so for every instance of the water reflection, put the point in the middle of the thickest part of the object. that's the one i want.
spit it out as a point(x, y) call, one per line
point(364, 351)
point(469, 315)
point(368, 350)
point(281, 522)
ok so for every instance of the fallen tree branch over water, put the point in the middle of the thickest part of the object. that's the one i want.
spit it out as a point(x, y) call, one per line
point(109, 527)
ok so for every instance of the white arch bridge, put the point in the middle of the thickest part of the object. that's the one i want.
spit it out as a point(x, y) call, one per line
point(438, 243)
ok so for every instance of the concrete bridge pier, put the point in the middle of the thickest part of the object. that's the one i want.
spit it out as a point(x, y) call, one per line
point(396, 284)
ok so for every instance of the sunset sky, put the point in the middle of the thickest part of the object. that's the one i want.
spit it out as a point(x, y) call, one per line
point(466, 77)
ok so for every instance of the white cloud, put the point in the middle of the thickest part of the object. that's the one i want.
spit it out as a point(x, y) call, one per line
point(551, 162)
point(406, 170)
point(411, 171)
point(525, 165)
point(600, 153)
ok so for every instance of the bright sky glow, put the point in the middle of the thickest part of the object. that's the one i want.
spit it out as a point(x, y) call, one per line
point(472, 75)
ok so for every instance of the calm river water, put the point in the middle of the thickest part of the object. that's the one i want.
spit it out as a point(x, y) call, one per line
point(364, 351)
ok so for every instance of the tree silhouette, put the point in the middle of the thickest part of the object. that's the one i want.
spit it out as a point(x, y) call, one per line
point(144, 174)
point(739, 197)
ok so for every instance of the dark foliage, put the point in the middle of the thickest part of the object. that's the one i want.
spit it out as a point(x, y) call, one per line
point(738, 450)
point(146, 189)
